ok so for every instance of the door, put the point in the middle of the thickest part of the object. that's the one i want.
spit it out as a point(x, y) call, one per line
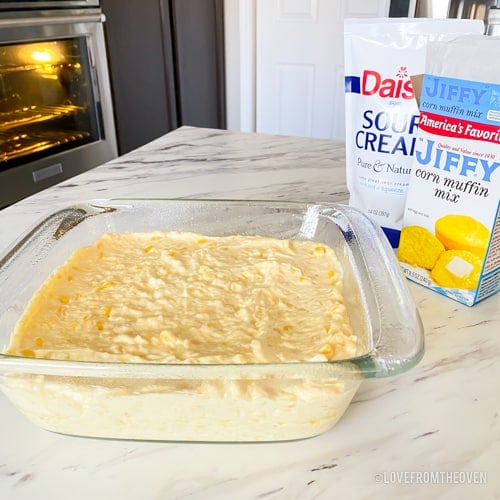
point(299, 64)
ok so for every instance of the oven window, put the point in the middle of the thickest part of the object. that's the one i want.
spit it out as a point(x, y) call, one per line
point(47, 102)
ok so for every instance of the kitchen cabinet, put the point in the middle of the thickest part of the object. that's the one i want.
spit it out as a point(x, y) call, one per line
point(166, 61)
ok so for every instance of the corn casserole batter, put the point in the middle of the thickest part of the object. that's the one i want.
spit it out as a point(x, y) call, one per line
point(178, 297)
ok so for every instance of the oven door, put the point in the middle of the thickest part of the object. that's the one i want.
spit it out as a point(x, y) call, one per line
point(56, 117)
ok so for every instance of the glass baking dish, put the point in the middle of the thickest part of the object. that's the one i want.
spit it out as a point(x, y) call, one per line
point(216, 402)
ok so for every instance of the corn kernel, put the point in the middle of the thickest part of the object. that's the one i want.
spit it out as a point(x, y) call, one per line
point(28, 353)
point(99, 325)
point(148, 248)
point(201, 242)
point(69, 278)
point(235, 287)
point(38, 341)
point(105, 285)
point(331, 274)
point(167, 336)
point(287, 328)
point(327, 350)
point(100, 255)
point(172, 253)
point(64, 300)
point(107, 311)
point(320, 251)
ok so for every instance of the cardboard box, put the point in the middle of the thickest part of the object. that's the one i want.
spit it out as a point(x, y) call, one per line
point(450, 240)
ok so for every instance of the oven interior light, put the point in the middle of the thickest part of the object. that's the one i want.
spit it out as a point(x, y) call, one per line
point(41, 56)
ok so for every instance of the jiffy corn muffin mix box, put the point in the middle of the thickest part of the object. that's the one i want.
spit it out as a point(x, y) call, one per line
point(450, 240)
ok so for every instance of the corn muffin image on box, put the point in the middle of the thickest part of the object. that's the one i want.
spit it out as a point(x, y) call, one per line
point(450, 239)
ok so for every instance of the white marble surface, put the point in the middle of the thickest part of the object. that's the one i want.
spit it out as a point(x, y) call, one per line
point(440, 417)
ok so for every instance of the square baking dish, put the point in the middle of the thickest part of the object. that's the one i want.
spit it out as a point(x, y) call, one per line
point(211, 402)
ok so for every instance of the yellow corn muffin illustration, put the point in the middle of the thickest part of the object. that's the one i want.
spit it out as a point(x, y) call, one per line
point(462, 232)
point(419, 247)
point(457, 269)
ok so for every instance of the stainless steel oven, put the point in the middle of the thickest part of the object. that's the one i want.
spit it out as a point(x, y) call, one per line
point(56, 116)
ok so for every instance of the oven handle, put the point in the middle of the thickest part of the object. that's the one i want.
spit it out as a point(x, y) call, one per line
point(37, 21)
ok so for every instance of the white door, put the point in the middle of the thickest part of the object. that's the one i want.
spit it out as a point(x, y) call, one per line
point(299, 59)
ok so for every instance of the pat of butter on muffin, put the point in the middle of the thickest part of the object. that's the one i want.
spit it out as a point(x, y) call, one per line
point(459, 267)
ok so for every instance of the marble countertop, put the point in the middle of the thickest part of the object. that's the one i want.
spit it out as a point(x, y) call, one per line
point(433, 431)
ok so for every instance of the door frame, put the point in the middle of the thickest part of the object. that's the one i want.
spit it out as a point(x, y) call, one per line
point(240, 55)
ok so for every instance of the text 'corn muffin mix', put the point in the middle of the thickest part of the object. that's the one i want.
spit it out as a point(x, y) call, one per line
point(179, 297)
point(450, 241)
